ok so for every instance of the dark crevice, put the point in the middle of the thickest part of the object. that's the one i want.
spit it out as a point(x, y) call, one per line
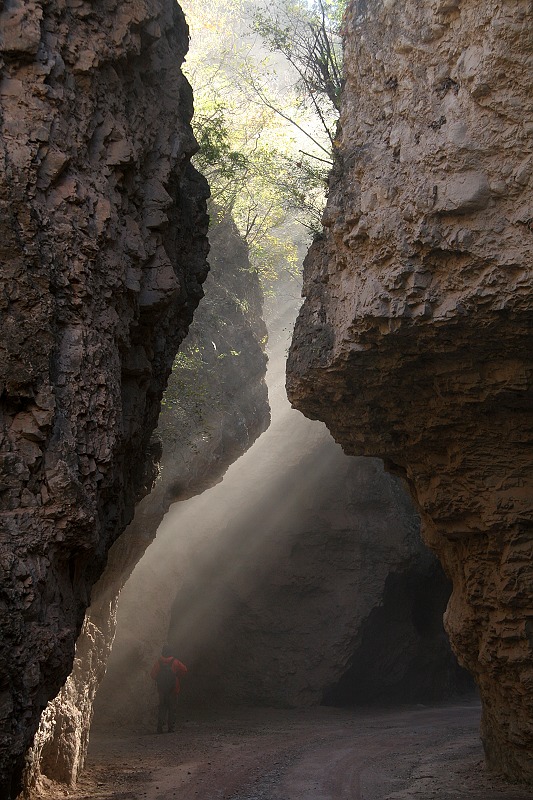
point(402, 652)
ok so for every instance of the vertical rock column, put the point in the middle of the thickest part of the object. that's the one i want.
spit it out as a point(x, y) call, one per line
point(415, 340)
point(102, 241)
point(215, 408)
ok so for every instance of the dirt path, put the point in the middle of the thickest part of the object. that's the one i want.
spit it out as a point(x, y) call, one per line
point(319, 754)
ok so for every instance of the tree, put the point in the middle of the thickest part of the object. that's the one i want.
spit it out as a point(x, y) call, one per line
point(309, 38)
point(264, 147)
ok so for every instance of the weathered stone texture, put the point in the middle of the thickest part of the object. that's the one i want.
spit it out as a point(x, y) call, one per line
point(102, 240)
point(216, 405)
point(415, 340)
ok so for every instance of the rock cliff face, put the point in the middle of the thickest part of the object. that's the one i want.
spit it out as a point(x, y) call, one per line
point(415, 340)
point(103, 246)
point(215, 406)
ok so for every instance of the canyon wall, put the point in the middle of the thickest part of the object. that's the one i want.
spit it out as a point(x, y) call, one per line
point(415, 340)
point(215, 406)
point(103, 244)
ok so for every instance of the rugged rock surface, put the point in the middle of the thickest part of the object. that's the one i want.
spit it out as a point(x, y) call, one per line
point(103, 246)
point(247, 579)
point(415, 340)
point(215, 406)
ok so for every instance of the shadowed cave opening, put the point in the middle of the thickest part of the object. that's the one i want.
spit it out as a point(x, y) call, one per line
point(401, 645)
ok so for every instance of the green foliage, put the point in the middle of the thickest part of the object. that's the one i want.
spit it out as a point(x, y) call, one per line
point(199, 388)
point(276, 254)
point(264, 123)
point(216, 154)
point(309, 38)
point(187, 386)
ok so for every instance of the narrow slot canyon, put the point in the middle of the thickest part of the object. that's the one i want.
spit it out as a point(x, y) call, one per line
point(266, 400)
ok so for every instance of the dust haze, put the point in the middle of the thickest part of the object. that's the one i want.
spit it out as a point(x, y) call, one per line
point(216, 547)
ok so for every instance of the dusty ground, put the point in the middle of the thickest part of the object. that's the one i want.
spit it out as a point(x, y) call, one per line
point(319, 754)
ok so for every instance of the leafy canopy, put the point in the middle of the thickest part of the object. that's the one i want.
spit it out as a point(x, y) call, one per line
point(266, 80)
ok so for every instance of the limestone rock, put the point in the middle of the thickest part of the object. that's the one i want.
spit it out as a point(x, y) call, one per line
point(96, 296)
point(415, 340)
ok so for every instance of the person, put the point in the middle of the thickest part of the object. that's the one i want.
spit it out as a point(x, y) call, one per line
point(166, 673)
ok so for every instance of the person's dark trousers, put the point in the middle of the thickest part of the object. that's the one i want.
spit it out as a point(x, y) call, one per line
point(167, 712)
point(172, 712)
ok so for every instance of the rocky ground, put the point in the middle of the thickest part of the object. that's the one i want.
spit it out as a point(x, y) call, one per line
point(425, 752)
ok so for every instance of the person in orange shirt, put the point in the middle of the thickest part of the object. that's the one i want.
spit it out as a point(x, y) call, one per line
point(166, 673)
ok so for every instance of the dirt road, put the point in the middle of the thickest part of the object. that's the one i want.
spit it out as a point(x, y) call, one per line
point(319, 754)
